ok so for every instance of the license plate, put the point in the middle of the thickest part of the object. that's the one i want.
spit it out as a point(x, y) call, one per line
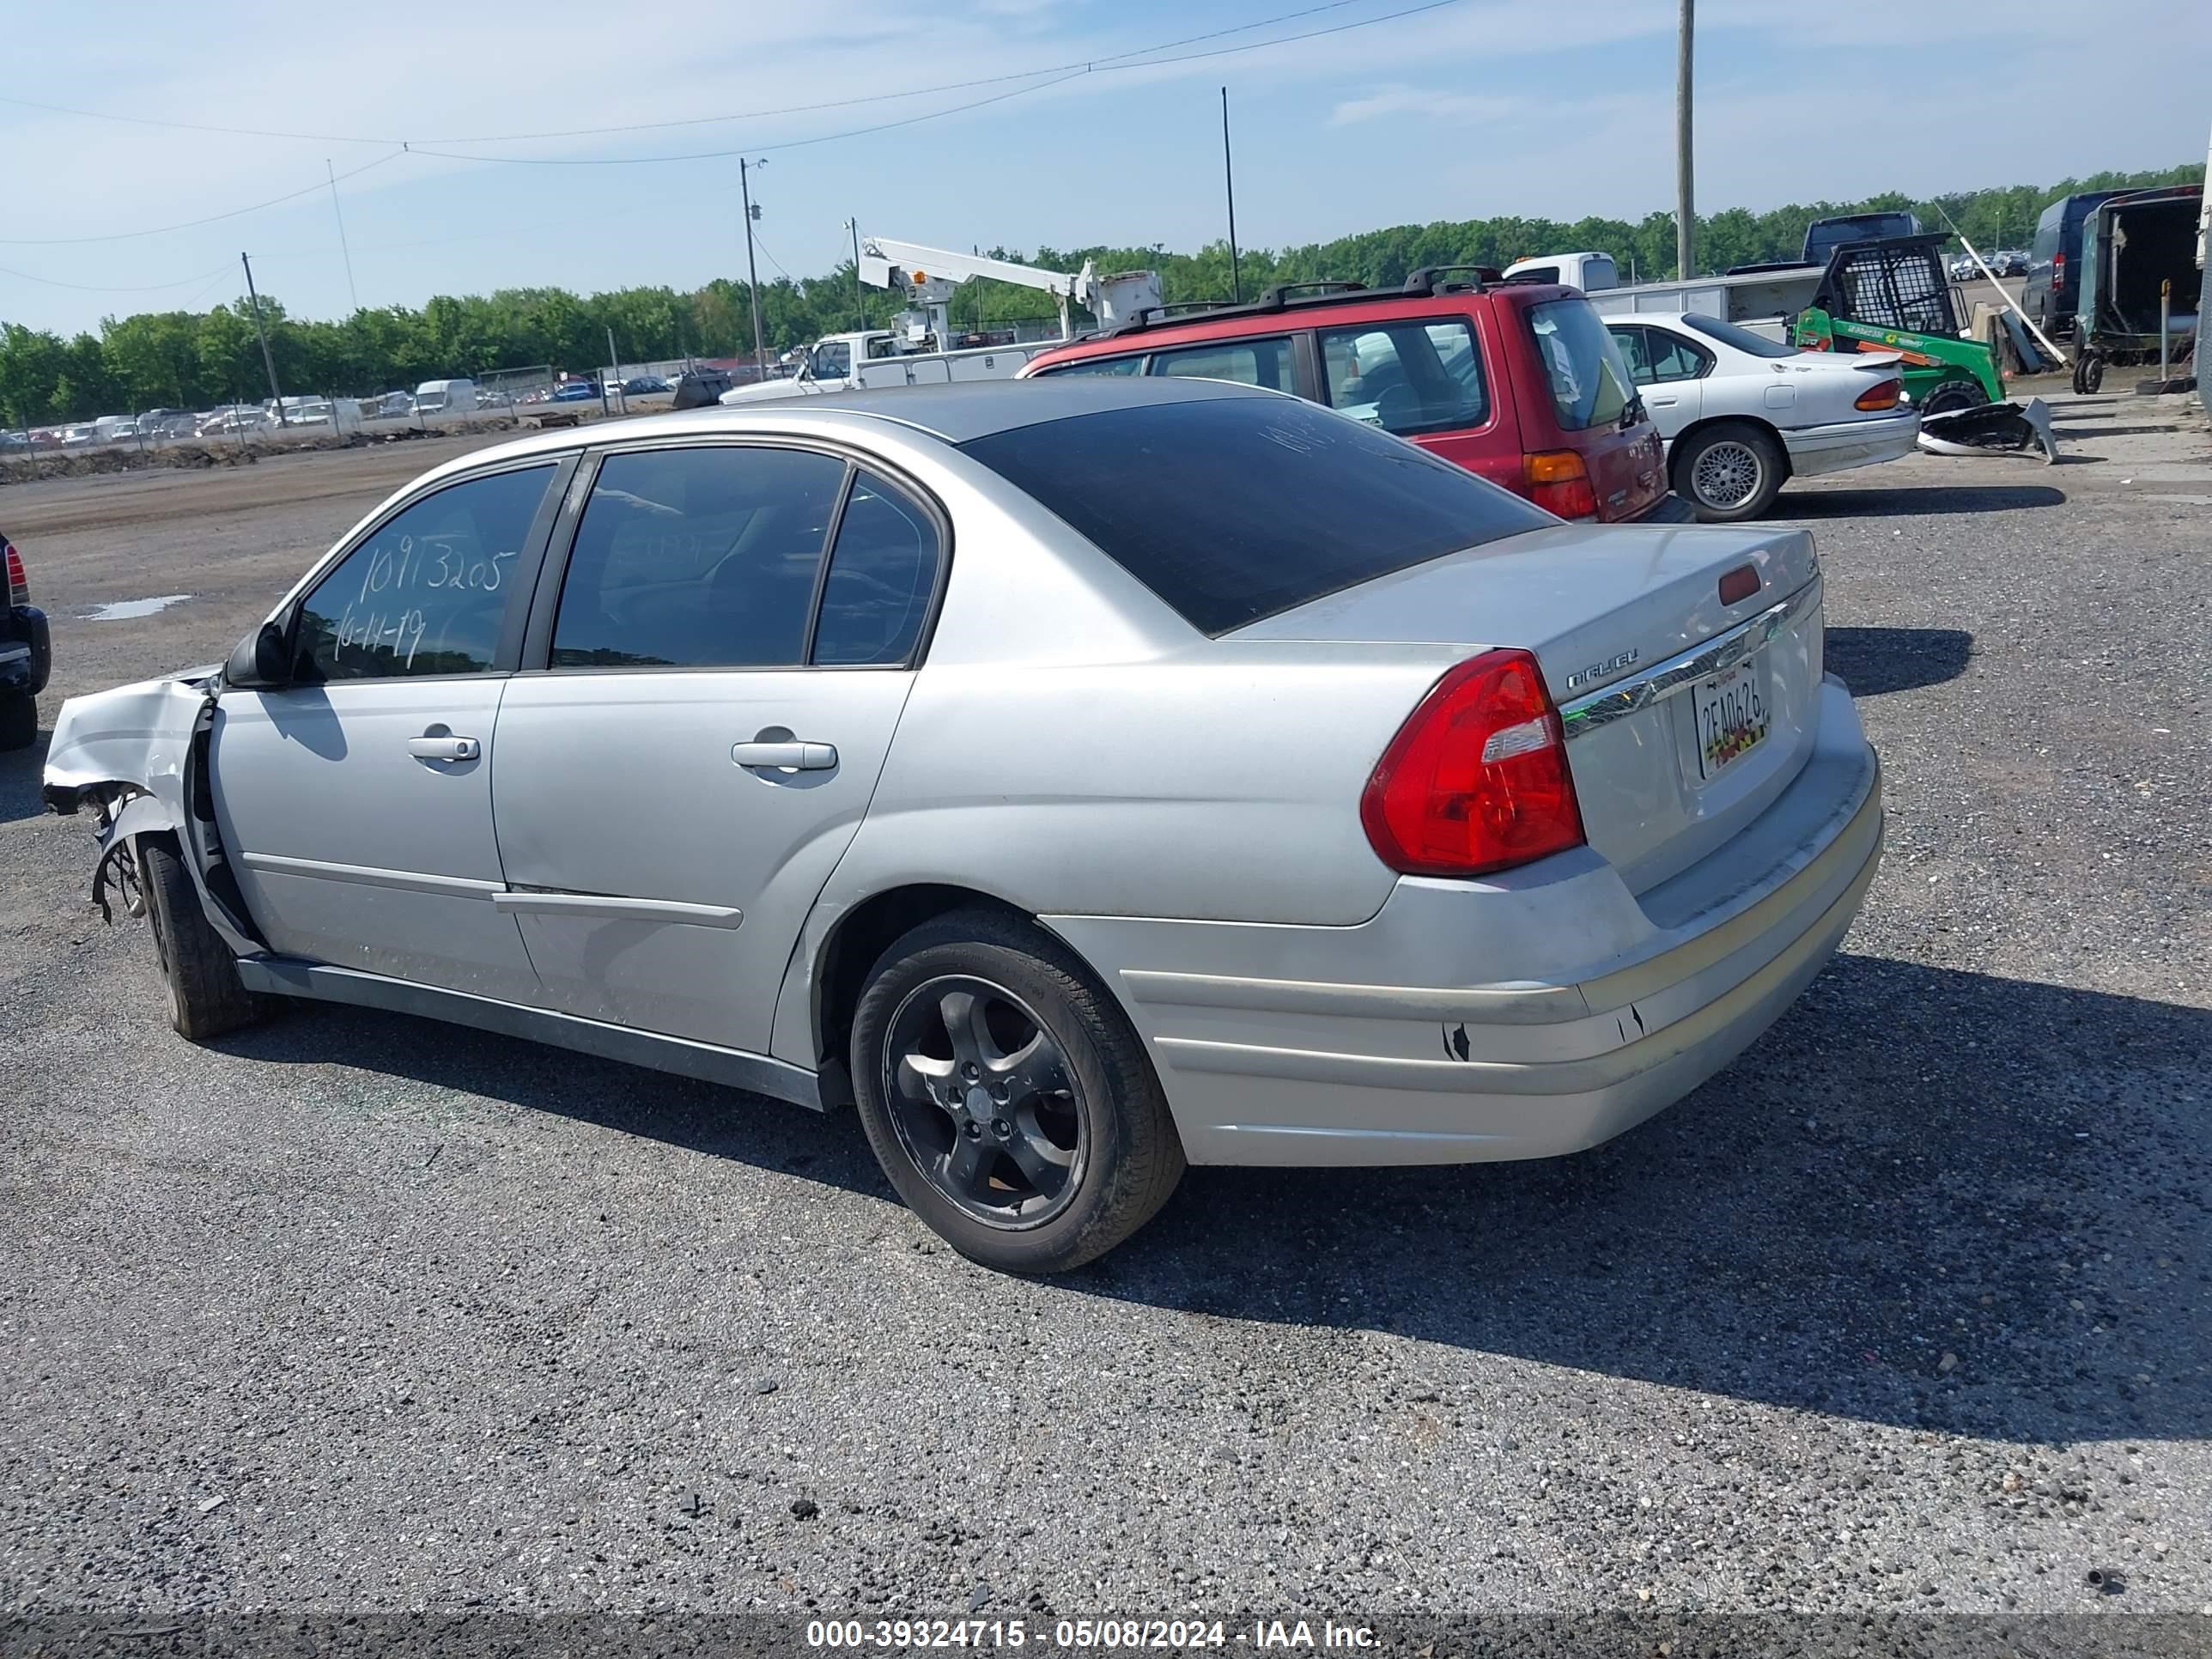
point(1732, 716)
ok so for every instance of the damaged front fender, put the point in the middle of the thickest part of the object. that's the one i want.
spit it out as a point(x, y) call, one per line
point(137, 756)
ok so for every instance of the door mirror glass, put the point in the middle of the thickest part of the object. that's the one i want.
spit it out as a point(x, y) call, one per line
point(260, 660)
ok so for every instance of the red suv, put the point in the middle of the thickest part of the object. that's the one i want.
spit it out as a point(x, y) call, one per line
point(1519, 382)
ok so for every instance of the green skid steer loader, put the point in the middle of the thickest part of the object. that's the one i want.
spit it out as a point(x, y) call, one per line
point(1894, 294)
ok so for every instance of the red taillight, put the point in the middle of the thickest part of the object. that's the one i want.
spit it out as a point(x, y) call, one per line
point(1883, 394)
point(1476, 779)
point(1560, 483)
point(19, 585)
point(1740, 584)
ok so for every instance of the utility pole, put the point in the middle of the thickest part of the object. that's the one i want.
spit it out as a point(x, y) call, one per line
point(1685, 212)
point(614, 366)
point(1229, 179)
point(267, 360)
point(860, 299)
point(752, 273)
point(342, 248)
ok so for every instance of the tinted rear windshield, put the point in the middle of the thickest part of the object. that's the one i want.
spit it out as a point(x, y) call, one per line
point(1591, 382)
point(1236, 509)
point(1742, 338)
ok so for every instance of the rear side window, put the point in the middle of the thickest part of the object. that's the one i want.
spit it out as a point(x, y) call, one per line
point(1097, 366)
point(882, 572)
point(1408, 377)
point(1589, 380)
point(1249, 362)
point(1756, 345)
point(1319, 502)
point(697, 558)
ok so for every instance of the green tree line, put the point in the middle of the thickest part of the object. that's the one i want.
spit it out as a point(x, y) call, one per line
point(194, 359)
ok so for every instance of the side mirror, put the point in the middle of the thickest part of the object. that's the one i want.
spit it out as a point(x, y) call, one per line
point(260, 662)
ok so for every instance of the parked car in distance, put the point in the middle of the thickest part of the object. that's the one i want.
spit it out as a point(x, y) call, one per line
point(2052, 293)
point(700, 386)
point(1574, 813)
point(576, 392)
point(1824, 236)
point(435, 397)
point(391, 404)
point(644, 386)
point(27, 652)
point(1741, 414)
point(1518, 382)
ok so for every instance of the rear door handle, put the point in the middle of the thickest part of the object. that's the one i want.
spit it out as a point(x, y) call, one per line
point(444, 749)
point(792, 756)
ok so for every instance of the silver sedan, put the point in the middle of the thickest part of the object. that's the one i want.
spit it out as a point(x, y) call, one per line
point(1080, 777)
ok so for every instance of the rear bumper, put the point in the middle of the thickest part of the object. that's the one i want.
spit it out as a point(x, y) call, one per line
point(1817, 449)
point(27, 652)
point(1531, 1018)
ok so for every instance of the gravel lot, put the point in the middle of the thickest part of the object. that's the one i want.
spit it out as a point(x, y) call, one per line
point(1908, 1309)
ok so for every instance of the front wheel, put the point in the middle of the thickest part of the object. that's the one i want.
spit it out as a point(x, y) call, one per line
point(1006, 1098)
point(1729, 472)
point(206, 997)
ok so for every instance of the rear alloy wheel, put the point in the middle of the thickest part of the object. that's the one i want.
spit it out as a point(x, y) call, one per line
point(206, 997)
point(1006, 1098)
point(1953, 395)
point(1729, 473)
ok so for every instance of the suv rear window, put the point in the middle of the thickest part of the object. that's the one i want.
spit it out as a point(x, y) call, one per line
point(1589, 379)
point(1321, 503)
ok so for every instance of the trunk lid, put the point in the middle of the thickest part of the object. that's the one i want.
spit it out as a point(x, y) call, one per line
point(1602, 608)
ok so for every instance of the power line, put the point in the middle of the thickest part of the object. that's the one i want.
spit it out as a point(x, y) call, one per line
point(213, 218)
point(747, 149)
point(1096, 67)
point(116, 288)
point(1115, 59)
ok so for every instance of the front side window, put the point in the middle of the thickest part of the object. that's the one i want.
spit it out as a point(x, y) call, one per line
point(429, 592)
point(1097, 366)
point(697, 558)
point(1249, 362)
point(883, 569)
point(833, 361)
point(1589, 379)
point(1407, 377)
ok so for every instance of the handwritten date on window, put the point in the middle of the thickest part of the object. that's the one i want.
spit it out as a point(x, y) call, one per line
point(418, 585)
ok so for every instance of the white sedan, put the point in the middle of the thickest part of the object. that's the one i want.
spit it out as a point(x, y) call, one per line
point(1741, 414)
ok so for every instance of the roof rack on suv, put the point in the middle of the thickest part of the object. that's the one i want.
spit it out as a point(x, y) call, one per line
point(1277, 298)
point(1429, 278)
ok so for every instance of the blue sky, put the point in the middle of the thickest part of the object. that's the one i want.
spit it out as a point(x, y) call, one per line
point(1465, 110)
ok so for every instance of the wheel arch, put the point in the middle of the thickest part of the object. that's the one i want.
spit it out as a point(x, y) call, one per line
point(829, 966)
point(1706, 422)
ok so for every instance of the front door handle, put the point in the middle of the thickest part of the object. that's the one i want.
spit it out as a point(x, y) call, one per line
point(792, 756)
point(444, 749)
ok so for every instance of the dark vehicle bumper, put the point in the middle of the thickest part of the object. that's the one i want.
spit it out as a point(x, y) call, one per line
point(1669, 508)
point(21, 674)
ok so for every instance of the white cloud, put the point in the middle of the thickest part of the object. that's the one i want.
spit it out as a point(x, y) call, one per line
point(1456, 107)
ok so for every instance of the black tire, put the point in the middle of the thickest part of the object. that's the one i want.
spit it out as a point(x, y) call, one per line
point(1951, 395)
point(1729, 472)
point(2092, 373)
point(205, 996)
point(1125, 1157)
point(19, 722)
